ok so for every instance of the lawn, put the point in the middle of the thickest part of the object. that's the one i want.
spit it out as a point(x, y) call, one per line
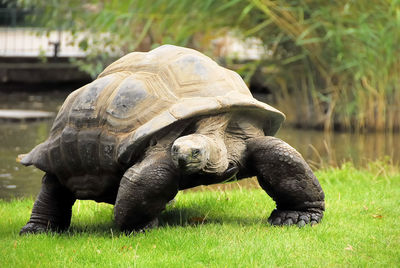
point(225, 228)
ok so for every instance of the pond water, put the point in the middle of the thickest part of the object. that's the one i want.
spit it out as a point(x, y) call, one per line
point(318, 148)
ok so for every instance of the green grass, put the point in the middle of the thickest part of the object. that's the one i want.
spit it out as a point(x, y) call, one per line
point(222, 228)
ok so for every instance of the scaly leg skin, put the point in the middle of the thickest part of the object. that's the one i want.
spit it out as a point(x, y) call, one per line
point(144, 191)
point(286, 177)
point(52, 209)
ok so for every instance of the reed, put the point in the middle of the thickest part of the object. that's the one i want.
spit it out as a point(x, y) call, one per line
point(339, 63)
point(328, 64)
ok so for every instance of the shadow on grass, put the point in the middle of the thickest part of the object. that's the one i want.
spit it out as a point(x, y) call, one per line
point(101, 229)
point(198, 216)
point(172, 217)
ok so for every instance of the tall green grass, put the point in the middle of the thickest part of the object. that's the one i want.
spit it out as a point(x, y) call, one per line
point(225, 228)
point(342, 66)
point(327, 63)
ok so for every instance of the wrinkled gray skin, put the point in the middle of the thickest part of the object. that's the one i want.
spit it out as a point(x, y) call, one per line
point(200, 151)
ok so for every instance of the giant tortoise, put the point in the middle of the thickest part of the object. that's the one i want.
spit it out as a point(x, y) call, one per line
point(158, 122)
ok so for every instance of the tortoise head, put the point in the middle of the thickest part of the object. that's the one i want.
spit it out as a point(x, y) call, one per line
point(200, 153)
point(191, 153)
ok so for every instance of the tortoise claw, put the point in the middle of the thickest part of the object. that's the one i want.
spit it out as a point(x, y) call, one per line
point(290, 217)
point(33, 228)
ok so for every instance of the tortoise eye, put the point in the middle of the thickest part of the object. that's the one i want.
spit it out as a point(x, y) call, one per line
point(195, 152)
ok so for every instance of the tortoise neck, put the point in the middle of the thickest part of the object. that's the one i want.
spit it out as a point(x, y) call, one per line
point(213, 128)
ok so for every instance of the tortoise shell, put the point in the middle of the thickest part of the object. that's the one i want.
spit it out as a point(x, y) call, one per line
point(136, 96)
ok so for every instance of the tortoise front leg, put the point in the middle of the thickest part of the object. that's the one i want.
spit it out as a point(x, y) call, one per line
point(286, 177)
point(52, 209)
point(144, 191)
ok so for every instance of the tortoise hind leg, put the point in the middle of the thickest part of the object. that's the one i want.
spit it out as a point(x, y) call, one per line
point(286, 177)
point(144, 191)
point(52, 209)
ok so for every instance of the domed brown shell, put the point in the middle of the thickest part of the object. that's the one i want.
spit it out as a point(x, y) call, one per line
point(136, 96)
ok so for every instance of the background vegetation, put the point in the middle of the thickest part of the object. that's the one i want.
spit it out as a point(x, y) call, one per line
point(326, 63)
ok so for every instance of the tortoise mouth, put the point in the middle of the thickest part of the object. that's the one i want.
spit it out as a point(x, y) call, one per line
point(188, 166)
point(182, 163)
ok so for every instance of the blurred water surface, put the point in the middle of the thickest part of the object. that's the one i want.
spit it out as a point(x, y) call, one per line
point(320, 149)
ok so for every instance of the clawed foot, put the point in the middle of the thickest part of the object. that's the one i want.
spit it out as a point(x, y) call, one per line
point(289, 217)
point(33, 228)
point(150, 225)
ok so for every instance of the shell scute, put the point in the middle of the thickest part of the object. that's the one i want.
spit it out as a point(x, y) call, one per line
point(190, 69)
point(107, 150)
point(69, 148)
point(199, 106)
point(129, 94)
point(89, 95)
point(88, 148)
point(56, 158)
point(85, 110)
